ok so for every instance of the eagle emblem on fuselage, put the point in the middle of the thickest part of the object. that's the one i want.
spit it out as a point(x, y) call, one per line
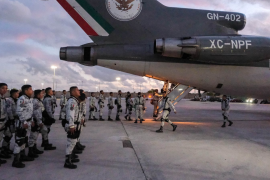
point(124, 5)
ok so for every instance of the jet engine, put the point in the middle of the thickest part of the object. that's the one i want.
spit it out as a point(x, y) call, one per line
point(216, 49)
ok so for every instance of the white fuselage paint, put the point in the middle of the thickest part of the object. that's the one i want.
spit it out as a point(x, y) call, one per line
point(236, 80)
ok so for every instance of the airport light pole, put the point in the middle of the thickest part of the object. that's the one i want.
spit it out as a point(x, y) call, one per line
point(53, 67)
point(25, 80)
point(118, 79)
point(42, 84)
point(96, 89)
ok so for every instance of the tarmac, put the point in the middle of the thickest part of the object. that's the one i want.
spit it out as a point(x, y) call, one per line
point(198, 149)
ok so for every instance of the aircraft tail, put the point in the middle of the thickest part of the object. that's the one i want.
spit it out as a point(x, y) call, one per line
point(129, 21)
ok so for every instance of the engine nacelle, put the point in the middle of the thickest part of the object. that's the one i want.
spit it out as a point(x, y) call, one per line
point(82, 55)
point(216, 49)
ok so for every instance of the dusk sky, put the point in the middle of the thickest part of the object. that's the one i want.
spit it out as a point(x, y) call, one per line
point(32, 31)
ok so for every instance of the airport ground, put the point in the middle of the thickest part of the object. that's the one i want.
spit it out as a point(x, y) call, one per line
point(198, 149)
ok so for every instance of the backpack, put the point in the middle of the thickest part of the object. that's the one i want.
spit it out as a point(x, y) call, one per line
point(115, 102)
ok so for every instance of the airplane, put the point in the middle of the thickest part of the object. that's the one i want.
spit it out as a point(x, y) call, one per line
point(199, 49)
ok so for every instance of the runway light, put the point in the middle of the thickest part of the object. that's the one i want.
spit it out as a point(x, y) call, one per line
point(150, 96)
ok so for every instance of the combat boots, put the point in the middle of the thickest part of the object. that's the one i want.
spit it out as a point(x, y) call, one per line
point(224, 125)
point(16, 162)
point(7, 149)
point(126, 117)
point(36, 151)
point(78, 147)
point(4, 154)
point(82, 146)
point(136, 121)
point(129, 119)
point(2, 161)
point(160, 130)
point(31, 153)
point(110, 119)
point(95, 118)
point(230, 123)
point(68, 163)
point(117, 118)
point(101, 119)
point(77, 151)
point(24, 158)
point(47, 146)
point(174, 127)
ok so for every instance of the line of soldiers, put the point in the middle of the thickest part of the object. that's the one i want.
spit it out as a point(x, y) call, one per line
point(26, 117)
point(138, 104)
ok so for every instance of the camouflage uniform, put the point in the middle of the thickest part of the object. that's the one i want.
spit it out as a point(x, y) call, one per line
point(101, 104)
point(54, 100)
point(3, 117)
point(110, 105)
point(225, 107)
point(167, 106)
point(63, 103)
point(73, 121)
point(129, 107)
point(25, 113)
point(38, 119)
point(119, 106)
point(48, 103)
point(92, 105)
point(139, 103)
point(11, 105)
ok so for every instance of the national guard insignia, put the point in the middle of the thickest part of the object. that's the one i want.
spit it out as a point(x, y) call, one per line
point(72, 108)
point(124, 10)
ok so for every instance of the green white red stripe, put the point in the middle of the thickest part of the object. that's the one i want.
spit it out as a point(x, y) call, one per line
point(86, 17)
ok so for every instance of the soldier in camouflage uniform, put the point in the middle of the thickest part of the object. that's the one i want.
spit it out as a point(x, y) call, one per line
point(48, 116)
point(11, 105)
point(3, 116)
point(54, 101)
point(23, 126)
point(72, 126)
point(63, 102)
point(119, 106)
point(101, 105)
point(92, 107)
point(110, 106)
point(82, 110)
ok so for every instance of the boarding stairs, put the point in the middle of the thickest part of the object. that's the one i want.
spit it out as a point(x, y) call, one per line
point(176, 93)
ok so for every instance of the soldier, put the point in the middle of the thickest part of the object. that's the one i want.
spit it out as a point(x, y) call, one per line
point(225, 106)
point(11, 105)
point(119, 106)
point(72, 126)
point(167, 106)
point(63, 103)
point(110, 106)
point(92, 106)
point(101, 105)
point(23, 126)
point(82, 110)
point(3, 117)
point(139, 103)
point(54, 101)
point(154, 101)
point(129, 106)
point(47, 114)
